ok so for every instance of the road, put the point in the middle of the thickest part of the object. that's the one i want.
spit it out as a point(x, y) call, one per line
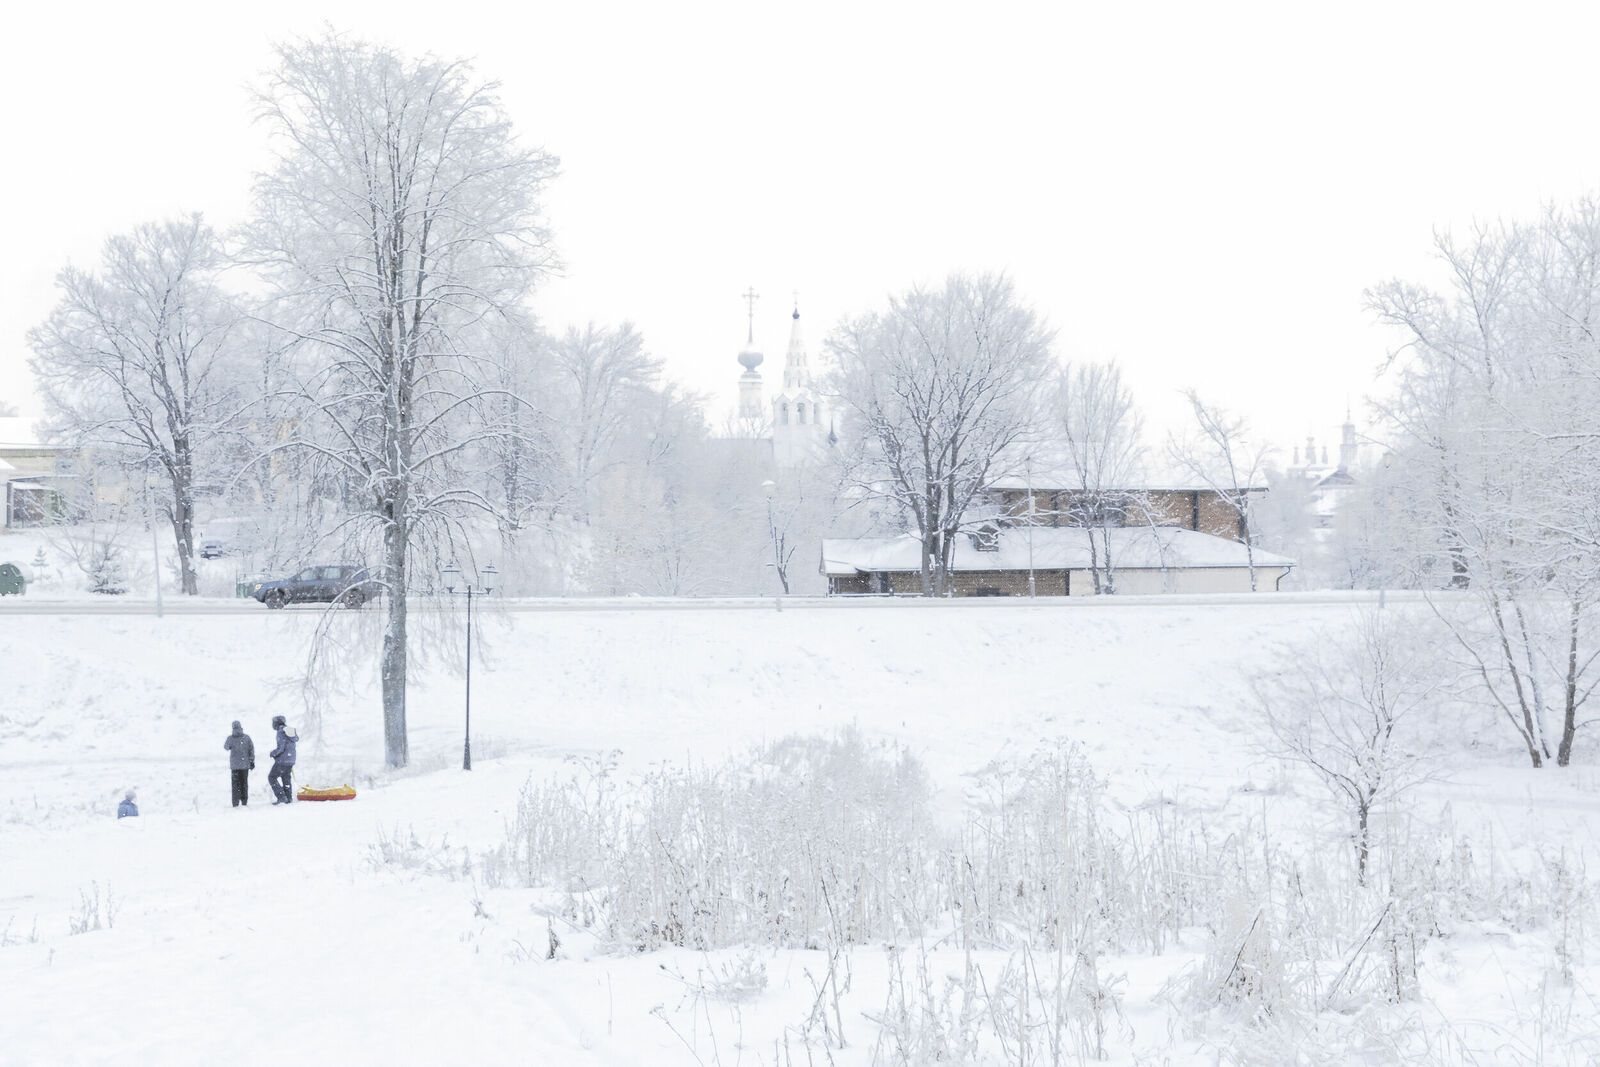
point(204, 606)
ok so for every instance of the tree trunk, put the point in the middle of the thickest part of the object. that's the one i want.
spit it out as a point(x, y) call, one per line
point(1094, 561)
point(393, 667)
point(1361, 842)
point(1569, 722)
point(182, 514)
point(511, 466)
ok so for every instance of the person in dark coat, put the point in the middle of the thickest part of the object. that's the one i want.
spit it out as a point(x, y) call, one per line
point(282, 774)
point(241, 761)
point(127, 807)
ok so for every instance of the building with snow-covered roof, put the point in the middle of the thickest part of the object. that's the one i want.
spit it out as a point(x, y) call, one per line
point(1055, 501)
point(1158, 533)
point(1054, 561)
point(37, 476)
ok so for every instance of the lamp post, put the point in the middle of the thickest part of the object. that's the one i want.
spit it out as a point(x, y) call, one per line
point(1028, 467)
point(769, 487)
point(452, 575)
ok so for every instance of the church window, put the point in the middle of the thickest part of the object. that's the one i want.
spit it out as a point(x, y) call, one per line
point(783, 415)
point(800, 413)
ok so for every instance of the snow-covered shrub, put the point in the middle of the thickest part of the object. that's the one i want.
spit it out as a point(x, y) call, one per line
point(829, 844)
point(927, 1022)
point(807, 842)
point(94, 912)
point(403, 850)
point(97, 550)
point(1036, 863)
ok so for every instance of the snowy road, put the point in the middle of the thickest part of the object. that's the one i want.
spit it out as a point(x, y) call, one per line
point(214, 606)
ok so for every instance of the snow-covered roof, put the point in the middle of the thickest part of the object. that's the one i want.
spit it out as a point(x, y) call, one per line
point(1045, 481)
point(1054, 548)
point(1048, 465)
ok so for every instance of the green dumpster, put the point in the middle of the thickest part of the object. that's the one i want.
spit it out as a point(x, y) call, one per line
point(14, 579)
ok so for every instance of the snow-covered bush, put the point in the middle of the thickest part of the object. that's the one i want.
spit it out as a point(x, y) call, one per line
point(1006, 928)
point(97, 550)
point(808, 842)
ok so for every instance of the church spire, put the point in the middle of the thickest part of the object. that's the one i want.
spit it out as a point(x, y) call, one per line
point(750, 405)
point(796, 375)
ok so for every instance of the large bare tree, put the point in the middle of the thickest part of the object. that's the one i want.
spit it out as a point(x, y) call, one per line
point(138, 363)
point(935, 390)
point(1494, 386)
point(401, 217)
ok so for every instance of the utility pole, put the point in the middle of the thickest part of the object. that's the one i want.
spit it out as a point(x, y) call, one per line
point(1028, 467)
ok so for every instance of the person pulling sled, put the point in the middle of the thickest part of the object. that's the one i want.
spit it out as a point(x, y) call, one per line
point(282, 774)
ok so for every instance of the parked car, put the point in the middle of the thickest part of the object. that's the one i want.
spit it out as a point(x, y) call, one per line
point(347, 585)
point(213, 549)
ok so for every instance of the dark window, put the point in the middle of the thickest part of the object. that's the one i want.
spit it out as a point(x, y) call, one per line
point(986, 539)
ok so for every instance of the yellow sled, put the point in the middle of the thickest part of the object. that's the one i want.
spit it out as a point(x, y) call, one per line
point(344, 792)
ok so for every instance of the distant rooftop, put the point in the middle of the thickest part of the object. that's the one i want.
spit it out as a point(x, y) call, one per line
point(1049, 548)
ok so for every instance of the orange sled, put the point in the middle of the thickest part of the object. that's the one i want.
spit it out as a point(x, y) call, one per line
point(344, 792)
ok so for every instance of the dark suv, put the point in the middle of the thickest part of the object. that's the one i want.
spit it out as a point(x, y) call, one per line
point(346, 585)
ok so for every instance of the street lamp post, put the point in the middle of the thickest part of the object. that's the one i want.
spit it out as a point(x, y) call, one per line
point(452, 575)
point(769, 487)
point(1029, 469)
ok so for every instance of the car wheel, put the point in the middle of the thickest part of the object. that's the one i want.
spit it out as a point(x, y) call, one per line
point(277, 599)
point(352, 600)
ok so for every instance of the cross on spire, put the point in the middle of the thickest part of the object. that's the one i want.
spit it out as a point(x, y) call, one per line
point(750, 298)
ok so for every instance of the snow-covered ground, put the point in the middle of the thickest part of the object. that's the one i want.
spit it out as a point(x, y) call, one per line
point(367, 932)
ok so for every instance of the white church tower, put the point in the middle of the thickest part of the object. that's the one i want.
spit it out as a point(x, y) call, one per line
point(800, 425)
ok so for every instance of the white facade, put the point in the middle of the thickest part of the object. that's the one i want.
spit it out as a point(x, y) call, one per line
point(800, 420)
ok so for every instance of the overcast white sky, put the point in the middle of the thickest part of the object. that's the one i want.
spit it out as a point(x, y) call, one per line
point(1201, 191)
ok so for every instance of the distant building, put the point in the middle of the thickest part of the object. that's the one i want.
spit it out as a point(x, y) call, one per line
point(39, 478)
point(1327, 485)
point(1165, 537)
point(1000, 561)
point(797, 422)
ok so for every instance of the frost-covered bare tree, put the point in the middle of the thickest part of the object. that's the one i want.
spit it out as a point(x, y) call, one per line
point(523, 455)
point(1221, 455)
point(935, 390)
point(138, 363)
point(1493, 391)
point(602, 374)
point(400, 218)
point(1347, 706)
point(1094, 416)
point(664, 523)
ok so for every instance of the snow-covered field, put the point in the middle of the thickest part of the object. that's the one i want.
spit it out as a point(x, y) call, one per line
point(378, 931)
